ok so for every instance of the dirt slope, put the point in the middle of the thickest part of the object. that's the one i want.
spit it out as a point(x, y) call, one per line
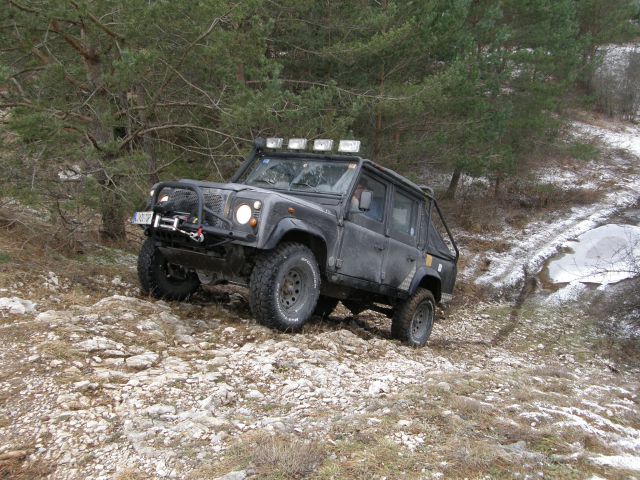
point(98, 382)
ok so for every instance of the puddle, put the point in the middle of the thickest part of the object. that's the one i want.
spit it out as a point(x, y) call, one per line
point(607, 254)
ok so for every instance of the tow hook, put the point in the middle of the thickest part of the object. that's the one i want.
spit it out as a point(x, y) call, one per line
point(195, 236)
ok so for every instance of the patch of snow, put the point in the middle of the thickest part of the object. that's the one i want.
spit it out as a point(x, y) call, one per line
point(628, 462)
point(507, 269)
point(625, 138)
point(603, 255)
point(567, 294)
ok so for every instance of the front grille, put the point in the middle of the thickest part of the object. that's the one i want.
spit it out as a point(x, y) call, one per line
point(183, 200)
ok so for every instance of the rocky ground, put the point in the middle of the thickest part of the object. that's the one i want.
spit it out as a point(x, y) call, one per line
point(98, 382)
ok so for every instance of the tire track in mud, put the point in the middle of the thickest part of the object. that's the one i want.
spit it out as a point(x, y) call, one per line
point(528, 286)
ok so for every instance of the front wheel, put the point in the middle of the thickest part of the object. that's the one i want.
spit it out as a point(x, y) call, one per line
point(413, 319)
point(284, 287)
point(162, 279)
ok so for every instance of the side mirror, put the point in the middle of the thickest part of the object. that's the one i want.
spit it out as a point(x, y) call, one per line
point(365, 200)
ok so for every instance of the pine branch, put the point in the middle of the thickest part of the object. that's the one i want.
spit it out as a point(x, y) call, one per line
point(98, 23)
point(171, 126)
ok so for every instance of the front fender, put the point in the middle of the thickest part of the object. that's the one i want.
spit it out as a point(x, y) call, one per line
point(421, 274)
point(287, 225)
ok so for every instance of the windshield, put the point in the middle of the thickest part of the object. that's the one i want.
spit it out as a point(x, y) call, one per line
point(302, 175)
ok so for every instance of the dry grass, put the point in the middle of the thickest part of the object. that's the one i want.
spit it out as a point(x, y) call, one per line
point(471, 407)
point(269, 457)
point(557, 371)
point(130, 474)
point(19, 469)
point(284, 457)
point(58, 350)
point(471, 458)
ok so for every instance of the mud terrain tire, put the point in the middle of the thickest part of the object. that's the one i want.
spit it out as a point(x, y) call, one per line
point(162, 280)
point(284, 287)
point(413, 318)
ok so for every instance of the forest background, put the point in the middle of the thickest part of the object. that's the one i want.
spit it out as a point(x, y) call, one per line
point(100, 99)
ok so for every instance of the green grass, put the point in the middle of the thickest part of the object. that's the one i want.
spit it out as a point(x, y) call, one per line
point(584, 151)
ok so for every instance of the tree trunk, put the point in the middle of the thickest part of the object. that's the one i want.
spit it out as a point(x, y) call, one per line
point(498, 184)
point(377, 133)
point(112, 219)
point(453, 184)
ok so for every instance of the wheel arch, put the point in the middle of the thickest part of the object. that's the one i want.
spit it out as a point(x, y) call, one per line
point(294, 230)
point(427, 278)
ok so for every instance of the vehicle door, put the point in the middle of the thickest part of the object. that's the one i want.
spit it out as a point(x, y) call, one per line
point(364, 240)
point(402, 229)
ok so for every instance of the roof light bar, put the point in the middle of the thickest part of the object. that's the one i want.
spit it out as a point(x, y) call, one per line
point(349, 146)
point(322, 145)
point(297, 143)
point(274, 142)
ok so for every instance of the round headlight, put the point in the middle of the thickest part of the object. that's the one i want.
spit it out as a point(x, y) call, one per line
point(243, 214)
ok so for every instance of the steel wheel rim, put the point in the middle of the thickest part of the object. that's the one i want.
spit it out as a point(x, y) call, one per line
point(421, 321)
point(292, 291)
point(173, 272)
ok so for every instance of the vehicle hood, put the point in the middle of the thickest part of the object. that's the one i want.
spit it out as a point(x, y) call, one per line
point(238, 187)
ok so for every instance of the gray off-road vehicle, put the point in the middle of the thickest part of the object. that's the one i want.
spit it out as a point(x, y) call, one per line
point(304, 229)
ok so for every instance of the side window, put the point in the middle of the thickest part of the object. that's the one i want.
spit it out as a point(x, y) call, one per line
point(379, 193)
point(404, 215)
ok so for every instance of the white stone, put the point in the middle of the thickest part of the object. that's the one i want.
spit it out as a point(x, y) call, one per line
point(255, 395)
point(99, 343)
point(16, 305)
point(142, 361)
point(237, 475)
point(378, 387)
point(444, 386)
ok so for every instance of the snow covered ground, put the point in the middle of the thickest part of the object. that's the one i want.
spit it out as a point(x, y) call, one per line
point(606, 254)
point(537, 242)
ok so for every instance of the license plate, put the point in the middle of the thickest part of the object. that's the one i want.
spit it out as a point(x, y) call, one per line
point(142, 218)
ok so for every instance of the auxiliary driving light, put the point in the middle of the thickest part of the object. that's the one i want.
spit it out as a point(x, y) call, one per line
point(322, 145)
point(274, 142)
point(297, 143)
point(349, 146)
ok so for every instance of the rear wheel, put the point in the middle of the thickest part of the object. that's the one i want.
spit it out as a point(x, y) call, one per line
point(285, 286)
point(413, 319)
point(162, 279)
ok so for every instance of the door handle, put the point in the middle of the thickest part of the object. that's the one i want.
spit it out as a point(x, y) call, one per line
point(378, 246)
point(410, 258)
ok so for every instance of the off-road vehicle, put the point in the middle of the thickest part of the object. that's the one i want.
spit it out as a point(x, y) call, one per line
point(303, 229)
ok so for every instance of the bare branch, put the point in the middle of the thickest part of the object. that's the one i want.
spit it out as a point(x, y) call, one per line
point(171, 126)
point(24, 8)
point(99, 24)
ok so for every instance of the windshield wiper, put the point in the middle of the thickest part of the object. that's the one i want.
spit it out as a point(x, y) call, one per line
point(261, 180)
point(304, 184)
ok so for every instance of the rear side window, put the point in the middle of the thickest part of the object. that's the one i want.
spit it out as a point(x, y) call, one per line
point(404, 215)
